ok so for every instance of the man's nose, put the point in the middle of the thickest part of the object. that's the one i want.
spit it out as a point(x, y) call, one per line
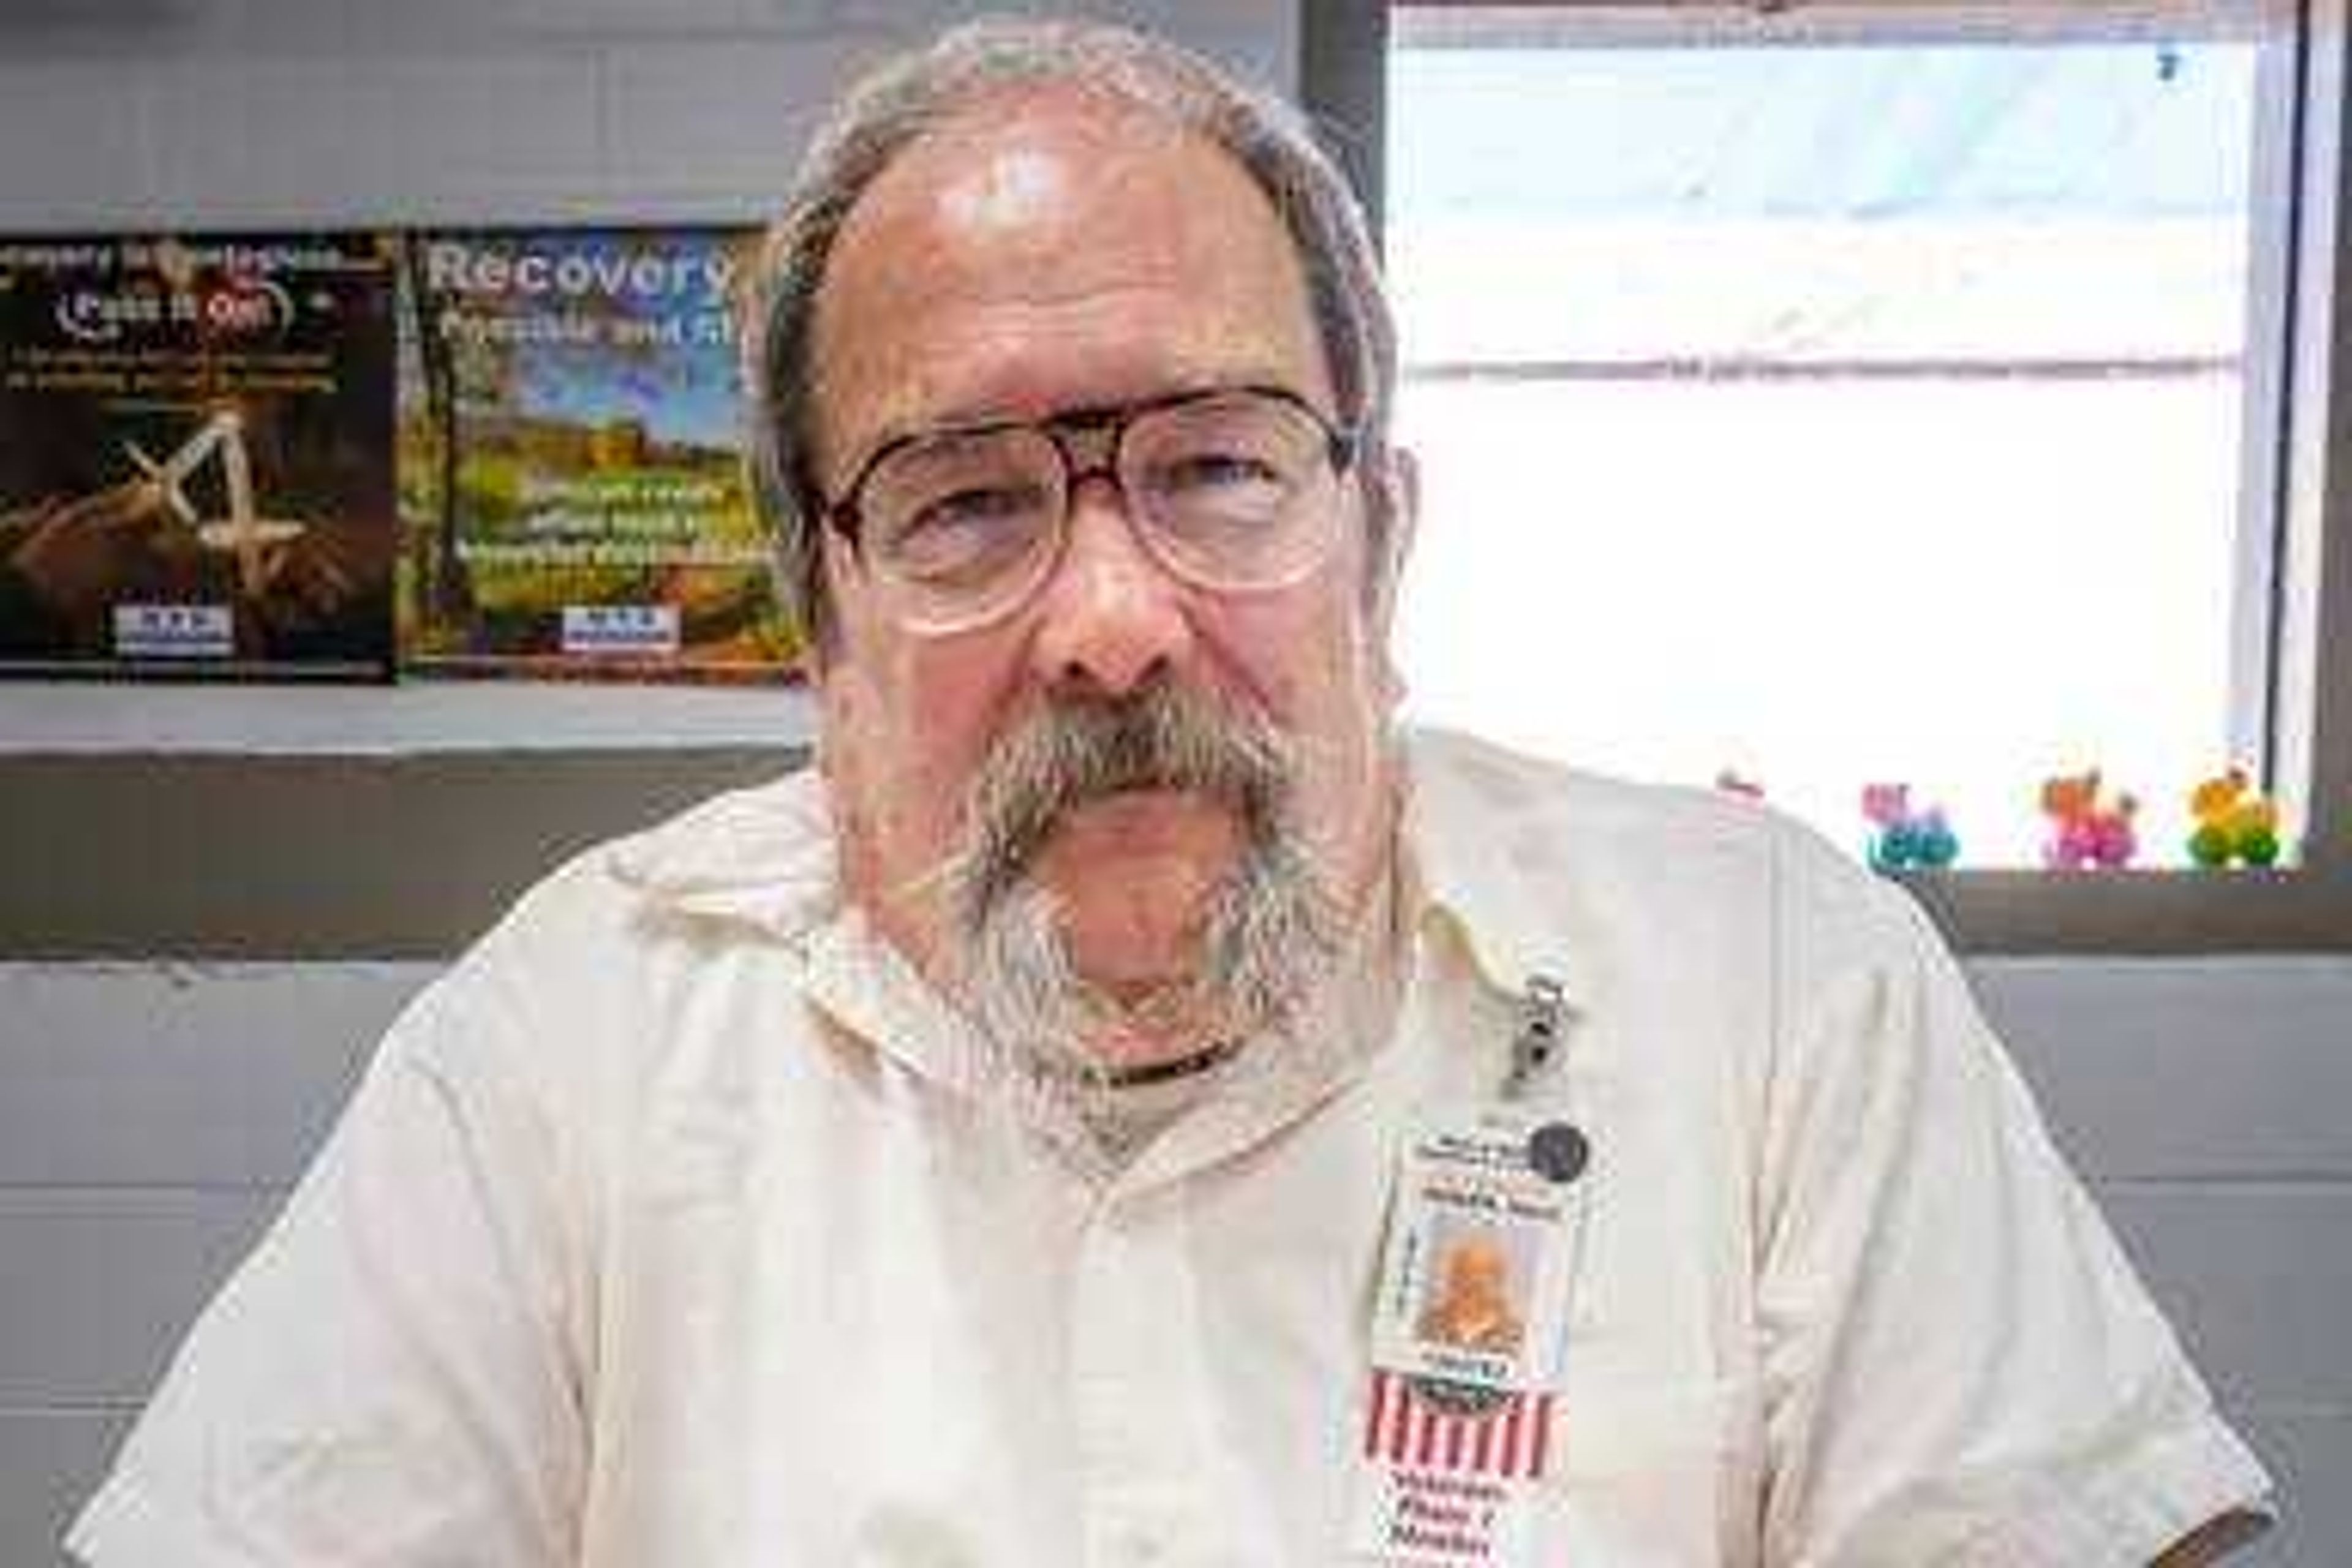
point(1111, 618)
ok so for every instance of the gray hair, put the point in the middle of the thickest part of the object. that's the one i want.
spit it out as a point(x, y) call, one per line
point(1271, 934)
point(901, 99)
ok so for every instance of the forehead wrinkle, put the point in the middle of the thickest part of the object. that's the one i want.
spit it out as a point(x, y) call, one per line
point(989, 240)
point(1000, 363)
point(990, 373)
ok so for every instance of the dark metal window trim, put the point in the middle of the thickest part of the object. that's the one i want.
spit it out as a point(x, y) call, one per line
point(1343, 69)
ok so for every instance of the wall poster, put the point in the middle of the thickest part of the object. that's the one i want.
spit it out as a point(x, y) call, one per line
point(571, 460)
point(196, 457)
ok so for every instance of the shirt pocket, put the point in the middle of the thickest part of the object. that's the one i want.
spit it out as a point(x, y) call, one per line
point(1653, 1476)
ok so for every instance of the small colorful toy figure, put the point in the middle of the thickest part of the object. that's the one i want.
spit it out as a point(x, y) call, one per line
point(1907, 838)
point(2234, 822)
point(2086, 831)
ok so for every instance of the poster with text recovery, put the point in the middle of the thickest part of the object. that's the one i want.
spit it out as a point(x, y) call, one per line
point(572, 460)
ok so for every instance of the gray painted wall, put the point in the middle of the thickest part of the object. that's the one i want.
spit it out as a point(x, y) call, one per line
point(241, 112)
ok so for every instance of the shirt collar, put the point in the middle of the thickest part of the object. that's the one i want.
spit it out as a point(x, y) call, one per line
point(762, 857)
point(764, 860)
point(1467, 832)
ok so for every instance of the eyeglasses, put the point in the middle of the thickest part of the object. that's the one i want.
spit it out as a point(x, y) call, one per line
point(1231, 489)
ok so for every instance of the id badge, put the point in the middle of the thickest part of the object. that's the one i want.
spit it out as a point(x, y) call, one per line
point(1475, 1282)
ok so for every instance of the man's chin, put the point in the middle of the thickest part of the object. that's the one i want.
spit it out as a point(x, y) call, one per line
point(1126, 949)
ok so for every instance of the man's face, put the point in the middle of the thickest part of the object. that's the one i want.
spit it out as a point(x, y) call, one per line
point(1043, 254)
point(1476, 1275)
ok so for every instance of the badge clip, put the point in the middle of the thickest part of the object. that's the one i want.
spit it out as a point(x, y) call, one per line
point(1543, 1016)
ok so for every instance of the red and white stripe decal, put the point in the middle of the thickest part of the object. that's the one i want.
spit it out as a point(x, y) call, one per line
point(1512, 1439)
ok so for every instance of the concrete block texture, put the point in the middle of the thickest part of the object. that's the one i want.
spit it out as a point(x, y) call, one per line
point(49, 1462)
point(391, 140)
point(253, 113)
point(722, 120)
point(2237, 1068)
point(2257, 1276)
point(100, 1286)
point(196, 1075)
point(75, 145)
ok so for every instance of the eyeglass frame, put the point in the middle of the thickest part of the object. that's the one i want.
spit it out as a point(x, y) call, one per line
point(1109, 423)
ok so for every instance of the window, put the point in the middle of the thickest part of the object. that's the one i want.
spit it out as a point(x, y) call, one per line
point(1887, 391)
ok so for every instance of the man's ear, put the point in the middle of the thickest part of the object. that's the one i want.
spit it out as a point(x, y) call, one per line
point(822, 634)
point(1393, 486)
point(1402, 479)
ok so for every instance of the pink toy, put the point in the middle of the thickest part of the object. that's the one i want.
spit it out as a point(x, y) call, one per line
point(2086, 831)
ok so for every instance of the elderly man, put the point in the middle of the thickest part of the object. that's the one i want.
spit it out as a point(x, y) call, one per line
point(1025, 1138)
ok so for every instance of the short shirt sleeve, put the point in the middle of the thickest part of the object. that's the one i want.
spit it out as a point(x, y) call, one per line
point(388, 1378)
point(1960, 1365)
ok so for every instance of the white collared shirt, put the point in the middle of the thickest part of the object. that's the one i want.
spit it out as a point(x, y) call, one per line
point(665, 1230)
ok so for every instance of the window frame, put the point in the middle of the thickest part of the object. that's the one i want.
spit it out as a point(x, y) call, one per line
point(2294, 593)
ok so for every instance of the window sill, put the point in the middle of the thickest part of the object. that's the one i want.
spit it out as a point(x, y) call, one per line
point(2152, 912)
point(98, 718)
point(356, 823)
point(379, 822)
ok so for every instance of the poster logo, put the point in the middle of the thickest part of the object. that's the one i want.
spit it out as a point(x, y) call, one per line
point(244, 306)
point(95, 316)
point(236, 307)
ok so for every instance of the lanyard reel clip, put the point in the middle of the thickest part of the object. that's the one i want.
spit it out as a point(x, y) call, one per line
point(1558, 1151)
point(1543, 1018)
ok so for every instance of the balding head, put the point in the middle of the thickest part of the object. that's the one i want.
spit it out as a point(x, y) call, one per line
point(899, 104)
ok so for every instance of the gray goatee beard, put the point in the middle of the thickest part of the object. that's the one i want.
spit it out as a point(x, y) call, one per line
point(1272, 930)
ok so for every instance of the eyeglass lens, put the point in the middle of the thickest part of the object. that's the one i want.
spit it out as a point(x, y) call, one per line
point(1227, 490)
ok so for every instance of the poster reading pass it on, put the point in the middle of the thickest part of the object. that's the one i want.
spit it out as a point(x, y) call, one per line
point(196, 457)
point(571, 460)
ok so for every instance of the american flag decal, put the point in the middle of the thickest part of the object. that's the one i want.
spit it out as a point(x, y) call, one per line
point(1404, 1426)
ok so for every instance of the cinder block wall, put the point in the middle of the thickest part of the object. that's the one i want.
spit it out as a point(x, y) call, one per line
point(152, 1113)
point(243, 112)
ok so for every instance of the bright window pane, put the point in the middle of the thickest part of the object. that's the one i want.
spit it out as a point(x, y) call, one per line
point(1830, 412)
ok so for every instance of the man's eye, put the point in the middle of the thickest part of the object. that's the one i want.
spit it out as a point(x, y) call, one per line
point(967, 529)
point(1224, 487)
point(976, 507)
point(1202, 473)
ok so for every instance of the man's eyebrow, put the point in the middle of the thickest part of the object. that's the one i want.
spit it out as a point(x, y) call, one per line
point(896, 432)
point(951, 420)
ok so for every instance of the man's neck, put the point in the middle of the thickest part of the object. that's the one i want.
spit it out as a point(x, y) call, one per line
point(1351, 1013)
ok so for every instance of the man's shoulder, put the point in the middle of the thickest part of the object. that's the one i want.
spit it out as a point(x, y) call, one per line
point(759, 859)
point(1530, 853)
point(1501, 802)
point(578, 989)
point(1460, 770)
point(594, 937)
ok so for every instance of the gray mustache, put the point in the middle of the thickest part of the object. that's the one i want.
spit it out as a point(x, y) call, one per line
point(1077, 750)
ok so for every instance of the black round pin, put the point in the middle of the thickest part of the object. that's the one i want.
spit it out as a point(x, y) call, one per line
point(1558, 1152)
